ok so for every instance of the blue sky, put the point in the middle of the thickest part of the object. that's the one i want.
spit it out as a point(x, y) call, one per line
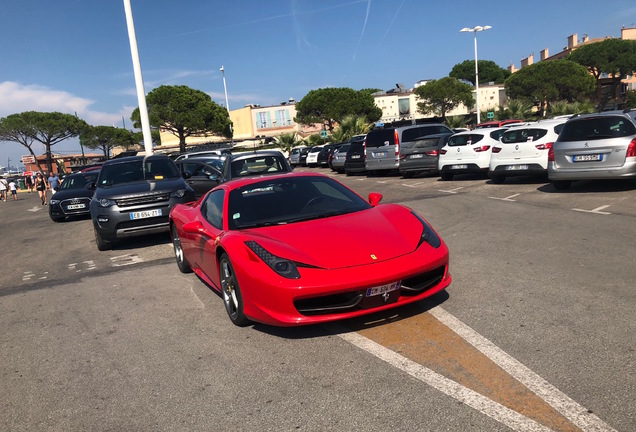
point(74, 55)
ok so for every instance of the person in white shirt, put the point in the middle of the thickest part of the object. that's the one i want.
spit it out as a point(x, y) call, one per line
point(3, 189)
point(14, 190)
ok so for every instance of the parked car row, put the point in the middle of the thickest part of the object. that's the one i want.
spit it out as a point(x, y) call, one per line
point(563, 149)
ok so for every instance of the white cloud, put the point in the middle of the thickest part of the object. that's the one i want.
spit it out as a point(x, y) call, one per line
point(16, 98)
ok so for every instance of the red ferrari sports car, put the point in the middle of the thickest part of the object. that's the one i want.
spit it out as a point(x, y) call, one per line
point(266, 244)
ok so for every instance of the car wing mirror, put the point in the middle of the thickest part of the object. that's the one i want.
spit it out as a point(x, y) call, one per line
point(186, 175)
point(91, 186)
point(375, 198)
point(195, 227)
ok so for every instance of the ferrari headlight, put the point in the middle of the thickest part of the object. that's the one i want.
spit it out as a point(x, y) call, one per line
point(428, 235)
point(282, 266)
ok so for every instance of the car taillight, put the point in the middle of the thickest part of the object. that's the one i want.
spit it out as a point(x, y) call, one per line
point(550, 152)
point(544, 146)
point(442, 151)
point(481, 149)
point(397, 143)
point(496, 149)
point(432, 153)
point(364, 145)
point(631, 148)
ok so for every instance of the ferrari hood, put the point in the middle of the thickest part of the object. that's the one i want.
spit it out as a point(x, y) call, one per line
point(369, 236)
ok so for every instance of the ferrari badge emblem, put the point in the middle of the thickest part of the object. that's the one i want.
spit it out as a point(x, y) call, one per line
point(374, 257)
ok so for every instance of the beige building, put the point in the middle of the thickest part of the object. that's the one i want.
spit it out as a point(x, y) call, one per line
point(573, 43)
point(401, 104)
point(251, 123)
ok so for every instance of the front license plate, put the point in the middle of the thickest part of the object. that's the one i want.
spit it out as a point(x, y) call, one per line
point(75, 206)
point(383, 289)
point(416, 156)
point(459, 166)
point(379, 154)
point(516, 167)
point(145, 214)
point(587, 158)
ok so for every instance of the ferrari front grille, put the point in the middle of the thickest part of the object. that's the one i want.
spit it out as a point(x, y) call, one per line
point(419, 283)
point(335, 303)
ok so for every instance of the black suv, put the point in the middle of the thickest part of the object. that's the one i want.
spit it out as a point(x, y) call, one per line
point(254, 163)
point(325, 152)
point(354, 163)
point(134, 196)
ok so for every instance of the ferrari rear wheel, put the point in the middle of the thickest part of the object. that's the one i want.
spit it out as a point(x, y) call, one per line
point(182, 262)
point(231, 292)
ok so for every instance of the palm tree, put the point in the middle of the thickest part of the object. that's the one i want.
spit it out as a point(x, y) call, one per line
point(350, 126)
point(458, 121)
point(287, 141)
point(518, 110)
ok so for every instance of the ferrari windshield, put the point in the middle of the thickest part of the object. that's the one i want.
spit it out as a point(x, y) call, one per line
point(286, 200)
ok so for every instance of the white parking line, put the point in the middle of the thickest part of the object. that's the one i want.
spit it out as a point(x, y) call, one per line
point(507, 198)
point(413, 184)
point(35, 208)
point(481, 403)
point(452, 191)
point(596, 210)
point(574, 412)
point(124, 260)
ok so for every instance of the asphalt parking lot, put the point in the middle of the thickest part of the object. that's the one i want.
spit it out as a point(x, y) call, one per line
point(535, 333)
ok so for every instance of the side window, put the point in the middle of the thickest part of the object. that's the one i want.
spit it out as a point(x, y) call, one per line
point(212, 208)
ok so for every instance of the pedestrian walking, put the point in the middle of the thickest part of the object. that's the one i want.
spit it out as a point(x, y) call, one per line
point(41, 186)
point(4, 186)
point(14, 189)
point(54, 182)
point(28, 181)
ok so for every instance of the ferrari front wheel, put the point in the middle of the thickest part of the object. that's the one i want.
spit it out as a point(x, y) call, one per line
point(182, 262)
point(231, 292)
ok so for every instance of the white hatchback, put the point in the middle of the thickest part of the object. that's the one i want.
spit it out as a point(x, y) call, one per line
point(468, 152)
point(524, 150)
point(312, 156)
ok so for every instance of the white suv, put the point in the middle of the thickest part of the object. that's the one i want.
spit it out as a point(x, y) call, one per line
point(524, 150)
point(468, 152)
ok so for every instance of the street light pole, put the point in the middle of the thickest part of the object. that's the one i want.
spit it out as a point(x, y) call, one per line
point(475, 30)
point(227, 104)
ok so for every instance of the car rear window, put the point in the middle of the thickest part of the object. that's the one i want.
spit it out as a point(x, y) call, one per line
point(461, 140)
point(522, 135)
point(426, 142)
point(381, 137)
point(592, 128)
point(420, 131)
point(356, 147)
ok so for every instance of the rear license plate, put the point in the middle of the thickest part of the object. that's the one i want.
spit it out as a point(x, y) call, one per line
point(459, 167)
point(587, 158)
point(355, 157)
point(516, 167)
point(75, 206)
point(383, 289)
point(379, 154)
point(416, 156)
point(145, 214)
